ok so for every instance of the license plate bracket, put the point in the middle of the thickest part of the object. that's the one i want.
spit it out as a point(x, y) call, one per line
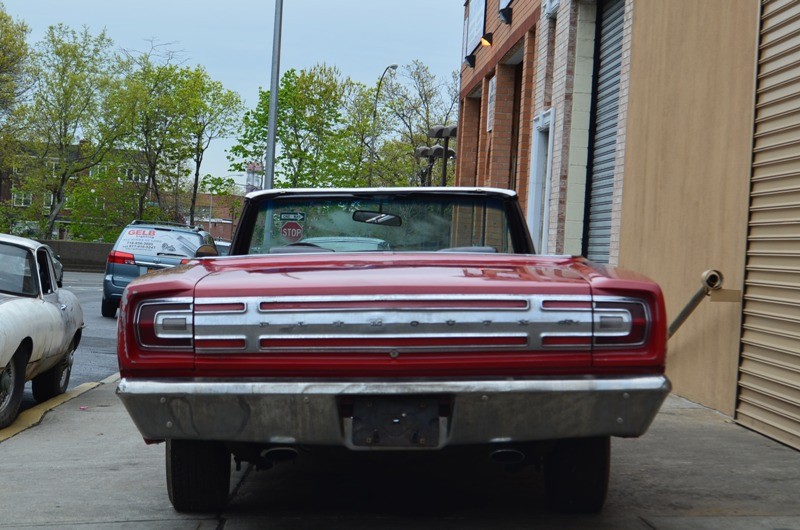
point(395, 422)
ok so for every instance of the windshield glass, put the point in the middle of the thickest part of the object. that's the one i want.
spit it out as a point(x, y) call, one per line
point(17, 271)
point(390, 223)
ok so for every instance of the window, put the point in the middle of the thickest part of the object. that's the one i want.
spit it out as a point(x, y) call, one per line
point(550, 8)
point(539, 189)
point(388, 222)
point(21, 198)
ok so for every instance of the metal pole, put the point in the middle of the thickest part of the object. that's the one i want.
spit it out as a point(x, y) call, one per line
point(269, 163)
point(444, 161)
point(374, 122)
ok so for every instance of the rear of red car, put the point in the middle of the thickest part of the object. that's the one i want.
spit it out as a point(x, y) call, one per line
point(538, 358)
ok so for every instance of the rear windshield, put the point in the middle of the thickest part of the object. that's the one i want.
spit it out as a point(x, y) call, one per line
point(154, 241)
point(393, 223)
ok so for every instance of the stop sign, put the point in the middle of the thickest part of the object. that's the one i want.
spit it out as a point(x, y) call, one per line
point(292, 231)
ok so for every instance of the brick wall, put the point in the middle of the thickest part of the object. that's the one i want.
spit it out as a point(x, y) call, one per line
point(486, 158)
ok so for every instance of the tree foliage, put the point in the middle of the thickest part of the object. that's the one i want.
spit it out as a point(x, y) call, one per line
point(212, 112)
point(415, 101)
point(333, 131)
point(67, 130)
point(107, 136)
point(156, 113)
point(14, 81)
point(311, 130)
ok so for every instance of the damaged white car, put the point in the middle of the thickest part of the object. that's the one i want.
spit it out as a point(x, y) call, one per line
point(40, 325)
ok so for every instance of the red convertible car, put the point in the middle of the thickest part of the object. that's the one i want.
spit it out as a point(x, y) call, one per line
point(450, 332)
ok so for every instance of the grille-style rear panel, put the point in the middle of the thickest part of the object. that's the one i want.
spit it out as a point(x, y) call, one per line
point(401, 323)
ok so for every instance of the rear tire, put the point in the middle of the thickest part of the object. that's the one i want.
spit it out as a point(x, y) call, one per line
point(54, 381)
point(198, 475)
point(12, 384)
point(576, 474)
point(108, 308)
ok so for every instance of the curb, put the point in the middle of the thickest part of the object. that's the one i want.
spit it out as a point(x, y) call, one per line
point(33, 416)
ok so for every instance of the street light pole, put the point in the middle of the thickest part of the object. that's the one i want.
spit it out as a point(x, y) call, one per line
point(374, 122)
point(269, 163)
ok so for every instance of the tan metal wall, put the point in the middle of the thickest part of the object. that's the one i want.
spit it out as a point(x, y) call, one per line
point(687, 173)
point(769, 381)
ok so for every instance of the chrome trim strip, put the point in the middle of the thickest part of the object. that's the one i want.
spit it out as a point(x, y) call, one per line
point(390, 348)
point(468, 301)
point(530, 321)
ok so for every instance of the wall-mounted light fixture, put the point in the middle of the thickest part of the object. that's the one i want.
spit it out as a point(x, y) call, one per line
point(487, 39)
point(505, 15)
point(470, 60)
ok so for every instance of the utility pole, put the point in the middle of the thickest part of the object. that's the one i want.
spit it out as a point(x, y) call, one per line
point(269, 162)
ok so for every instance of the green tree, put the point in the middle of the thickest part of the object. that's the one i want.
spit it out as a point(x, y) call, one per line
point(328, 127)
point(157, 117)
point(14, 79)
point(67, 129)
point(311, 130)
point(415, 100)
point(104, 201)
point(213, 112)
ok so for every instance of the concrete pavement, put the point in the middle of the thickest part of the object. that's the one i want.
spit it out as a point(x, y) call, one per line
point(84, 465)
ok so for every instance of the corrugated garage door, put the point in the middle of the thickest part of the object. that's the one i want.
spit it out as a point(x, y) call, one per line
point(597, 240)
point(769, 375)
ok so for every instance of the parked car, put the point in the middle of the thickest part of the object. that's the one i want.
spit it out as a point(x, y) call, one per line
point(456, 335)
point(223, 247)
point(40, 325)
point(143, 247)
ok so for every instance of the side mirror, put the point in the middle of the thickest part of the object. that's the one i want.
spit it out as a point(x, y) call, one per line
point(205, 251)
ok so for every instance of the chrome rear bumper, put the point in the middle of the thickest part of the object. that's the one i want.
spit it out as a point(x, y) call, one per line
point(310, 412)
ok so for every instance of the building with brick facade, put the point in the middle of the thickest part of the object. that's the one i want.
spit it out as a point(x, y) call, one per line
point(662, 137)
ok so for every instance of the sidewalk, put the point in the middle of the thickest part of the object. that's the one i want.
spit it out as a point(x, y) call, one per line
point(85, 465)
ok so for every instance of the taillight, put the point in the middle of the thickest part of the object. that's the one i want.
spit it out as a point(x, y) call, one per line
point(621, 323)
point(121, 258)
point(164, 325)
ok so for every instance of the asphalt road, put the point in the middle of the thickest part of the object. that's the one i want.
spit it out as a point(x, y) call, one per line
point(96, 357)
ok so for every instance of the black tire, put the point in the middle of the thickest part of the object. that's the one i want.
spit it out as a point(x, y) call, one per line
point(198, 475)
point(576, 474)
point(54, 381)
point(12, 384)
point(108, 308)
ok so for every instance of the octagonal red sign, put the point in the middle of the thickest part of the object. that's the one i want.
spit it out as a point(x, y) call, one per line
point(292, 231)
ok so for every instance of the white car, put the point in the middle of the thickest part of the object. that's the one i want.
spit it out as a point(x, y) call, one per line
point(40, 325)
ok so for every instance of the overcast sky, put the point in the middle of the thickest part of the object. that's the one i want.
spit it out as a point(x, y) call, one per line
point(232, 39)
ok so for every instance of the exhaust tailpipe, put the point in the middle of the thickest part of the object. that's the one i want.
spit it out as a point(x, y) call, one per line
point(507, 456)
point(280, 454)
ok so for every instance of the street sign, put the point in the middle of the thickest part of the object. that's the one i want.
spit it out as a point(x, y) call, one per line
point(292, 231)
point(292, 216)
